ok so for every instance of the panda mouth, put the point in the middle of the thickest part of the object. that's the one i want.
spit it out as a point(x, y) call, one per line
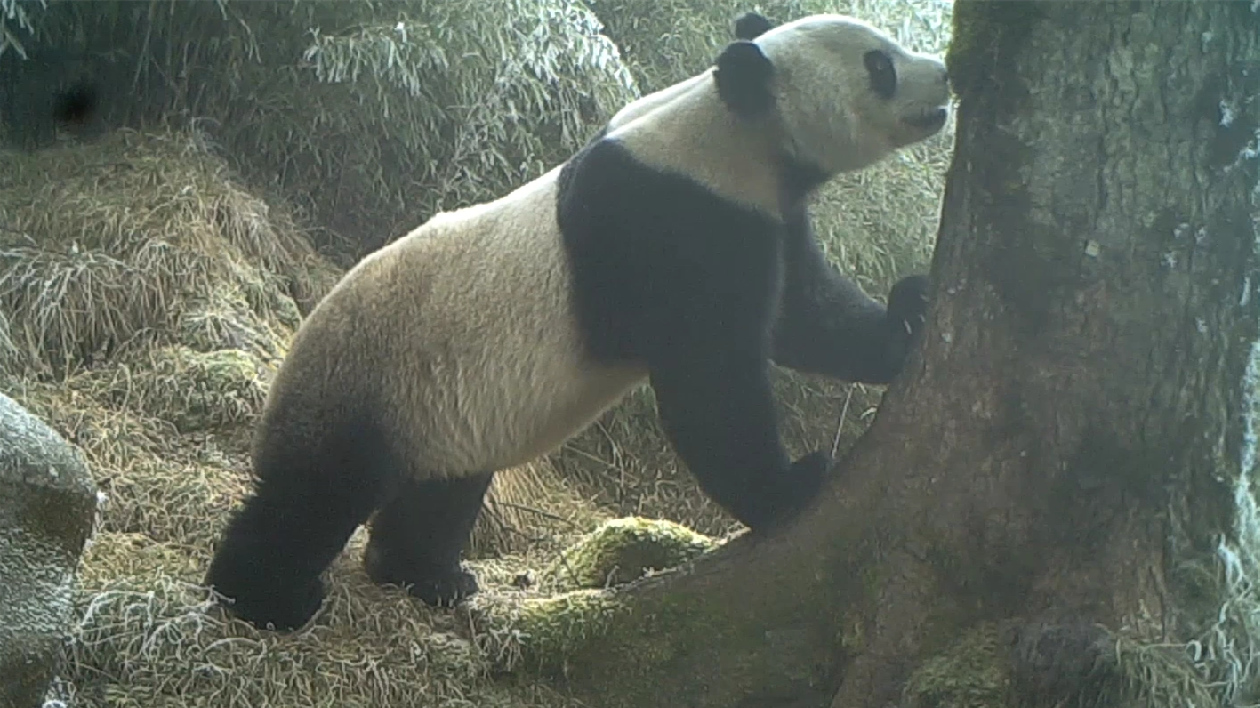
point(931, 120)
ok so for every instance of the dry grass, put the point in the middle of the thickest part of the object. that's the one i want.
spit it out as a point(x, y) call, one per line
point(151, 631)
point(105, 246)
point(531, 508)
point(145, 636)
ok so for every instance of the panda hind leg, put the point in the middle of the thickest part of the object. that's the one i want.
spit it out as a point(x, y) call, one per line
point(305, 505)
point(418, 535)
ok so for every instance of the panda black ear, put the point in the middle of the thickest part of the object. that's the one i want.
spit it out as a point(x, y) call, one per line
point(743, 77)
point(751, 25)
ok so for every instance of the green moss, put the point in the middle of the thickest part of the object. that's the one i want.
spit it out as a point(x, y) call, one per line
point(622, 550)
point(629, 647)
point(589, 624)
point(551, 635)
point(550, 630)
point(971, 673)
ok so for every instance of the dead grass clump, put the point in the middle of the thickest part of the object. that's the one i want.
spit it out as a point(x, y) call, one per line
point(116, 554)
point(530, 509)
point(365, 115)
point(192, 390)
point(149, 636)
point(169, 501)
point(227, 317)
point(105, 245)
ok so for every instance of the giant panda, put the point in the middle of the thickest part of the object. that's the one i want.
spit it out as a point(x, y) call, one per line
point(489, 335)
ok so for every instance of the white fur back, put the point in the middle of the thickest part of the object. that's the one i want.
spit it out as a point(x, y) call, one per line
point(646, 104)
point(478, 360)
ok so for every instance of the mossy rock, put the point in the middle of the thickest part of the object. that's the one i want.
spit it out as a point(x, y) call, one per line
point(544, 634)
point(622, 550)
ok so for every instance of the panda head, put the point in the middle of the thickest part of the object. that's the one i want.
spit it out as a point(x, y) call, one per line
point(838, 93)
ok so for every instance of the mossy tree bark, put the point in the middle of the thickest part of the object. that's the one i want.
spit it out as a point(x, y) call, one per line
point(1054, 472)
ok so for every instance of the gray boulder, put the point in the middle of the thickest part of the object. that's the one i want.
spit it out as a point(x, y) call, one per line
point(47, 508)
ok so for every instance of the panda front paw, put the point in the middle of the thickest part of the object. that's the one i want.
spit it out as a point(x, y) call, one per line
point(907, 305)
point(808, 474)
point(907, 313)
point(777, 499)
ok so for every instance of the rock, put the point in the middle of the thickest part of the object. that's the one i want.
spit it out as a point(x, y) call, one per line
point(47, 507)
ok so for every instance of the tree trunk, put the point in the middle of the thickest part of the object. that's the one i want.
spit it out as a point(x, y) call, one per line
point(1049, 481)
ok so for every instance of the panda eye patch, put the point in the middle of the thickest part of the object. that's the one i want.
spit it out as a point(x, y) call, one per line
point(883, 75)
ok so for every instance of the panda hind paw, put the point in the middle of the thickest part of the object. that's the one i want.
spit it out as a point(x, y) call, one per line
point(444, 587)
point(446, 590)
point(275, 610)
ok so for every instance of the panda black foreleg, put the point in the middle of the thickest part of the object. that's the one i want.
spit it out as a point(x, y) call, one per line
point(828, 325)
point(721, 420)
point(418, 535)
